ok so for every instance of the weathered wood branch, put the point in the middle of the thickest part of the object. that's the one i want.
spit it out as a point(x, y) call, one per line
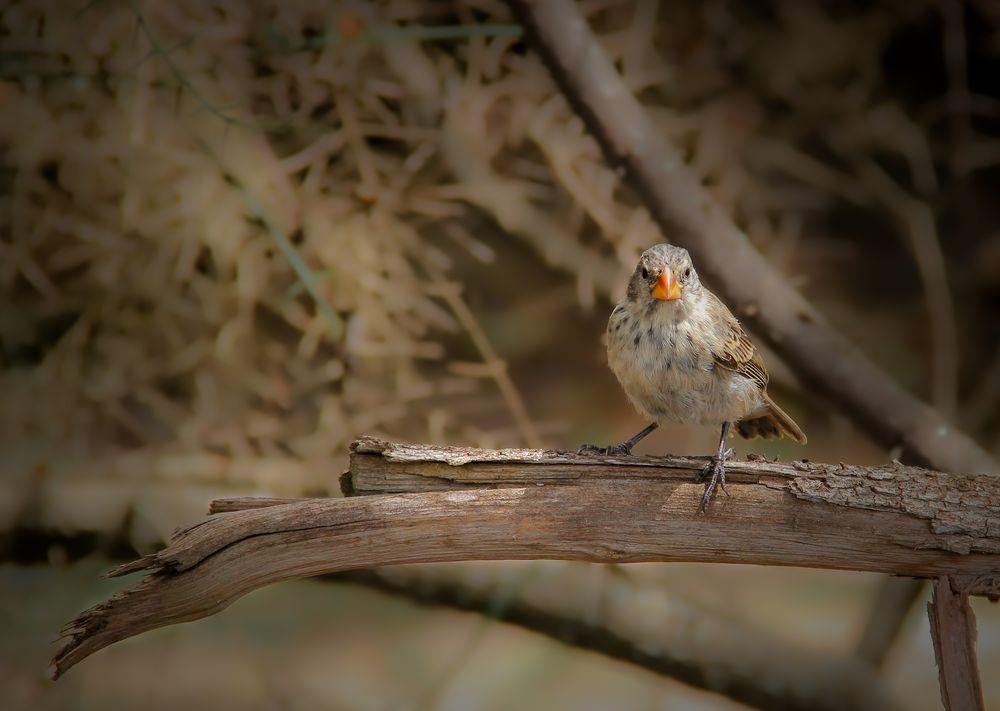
point(953, 631)
point(674, 637)
point(469, 504)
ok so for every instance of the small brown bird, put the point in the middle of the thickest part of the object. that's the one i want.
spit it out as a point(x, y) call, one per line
point(682, 356)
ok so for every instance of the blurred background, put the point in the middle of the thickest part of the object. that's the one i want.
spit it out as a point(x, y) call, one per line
point(234, 236)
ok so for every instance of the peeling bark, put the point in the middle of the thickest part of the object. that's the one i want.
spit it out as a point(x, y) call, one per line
point(470, 504)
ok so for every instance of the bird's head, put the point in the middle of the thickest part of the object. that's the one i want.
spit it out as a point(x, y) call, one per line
point(663, 274)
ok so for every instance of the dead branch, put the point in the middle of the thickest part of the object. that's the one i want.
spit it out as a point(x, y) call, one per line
point(674, 637)
point(726, 258)
point(472, 504)
point(953, 630)
point(671, 637)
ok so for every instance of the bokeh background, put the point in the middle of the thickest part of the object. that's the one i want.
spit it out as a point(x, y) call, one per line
point(235, 235)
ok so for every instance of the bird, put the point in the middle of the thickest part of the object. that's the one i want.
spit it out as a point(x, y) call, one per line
point(682, 357)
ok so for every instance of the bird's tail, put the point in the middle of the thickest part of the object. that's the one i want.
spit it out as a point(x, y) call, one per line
point(774, 423)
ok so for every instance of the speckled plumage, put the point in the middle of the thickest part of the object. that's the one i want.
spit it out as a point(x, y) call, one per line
point(681, 356)
point(688, 360)
point(669, 372)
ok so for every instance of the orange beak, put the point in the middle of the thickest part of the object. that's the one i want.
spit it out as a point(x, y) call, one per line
point(666, 287)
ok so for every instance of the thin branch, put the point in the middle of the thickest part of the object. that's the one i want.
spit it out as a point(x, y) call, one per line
point(953, 629)
point(893, 601)
point(301, 269)
point(496, 366)
point(159, 51)
point(916, 221)
point(472, 504)
point(668, 637)
point(500, 602)
point(984, 401)
point(257, 210)
point(726, 257)
point(959, 99)
point(400, 33)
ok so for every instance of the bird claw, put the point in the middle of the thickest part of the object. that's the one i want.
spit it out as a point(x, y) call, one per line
point(612, 450)
point(715, 472)
point(619, 450)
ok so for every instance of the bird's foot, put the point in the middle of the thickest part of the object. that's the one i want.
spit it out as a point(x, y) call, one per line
point(715, 473)
point(612, 450)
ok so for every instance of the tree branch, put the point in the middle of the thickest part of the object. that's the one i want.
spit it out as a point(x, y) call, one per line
point(673, 637)
point(953, 630)
point(669, 637)
point(726, 258)
point(471, 504)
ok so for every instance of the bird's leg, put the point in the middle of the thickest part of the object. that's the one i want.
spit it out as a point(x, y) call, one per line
point(618, 450)
point(715, 470)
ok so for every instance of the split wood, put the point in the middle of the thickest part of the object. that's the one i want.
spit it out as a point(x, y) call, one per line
point(422, 503)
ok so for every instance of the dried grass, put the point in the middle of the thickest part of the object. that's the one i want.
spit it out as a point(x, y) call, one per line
point(222, 222)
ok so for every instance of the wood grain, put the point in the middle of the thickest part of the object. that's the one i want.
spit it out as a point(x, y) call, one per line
point(953, 630)
point(467, 504)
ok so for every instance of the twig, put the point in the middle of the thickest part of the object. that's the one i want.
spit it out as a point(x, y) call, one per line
point(524, 504)
point(401, 33)
point(959, 100)
point(496, 366)
point(159, 51)
point(301, 269)
point(727, 259)
point(983, 401)
point(920, 232)
point(668, 637)
point(953, 629)
point(497, 606)
point(893, 601)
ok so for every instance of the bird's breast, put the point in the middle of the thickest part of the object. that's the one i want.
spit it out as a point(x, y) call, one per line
point(668, 372)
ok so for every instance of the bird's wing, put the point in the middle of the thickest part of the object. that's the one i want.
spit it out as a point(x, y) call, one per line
point(739, 354)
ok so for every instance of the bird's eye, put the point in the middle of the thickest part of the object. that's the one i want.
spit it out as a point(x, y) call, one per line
point(645, 272)
point(687, 272)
